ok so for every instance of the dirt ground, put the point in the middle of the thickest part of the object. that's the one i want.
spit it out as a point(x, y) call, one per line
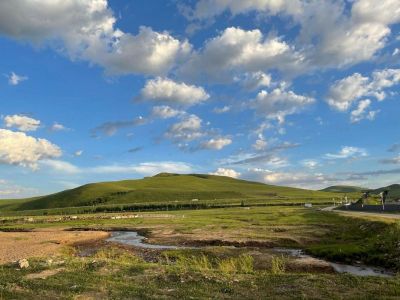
point(41, 243)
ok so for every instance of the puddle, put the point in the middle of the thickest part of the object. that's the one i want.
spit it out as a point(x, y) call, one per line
point(357, 270)
point(132, 238)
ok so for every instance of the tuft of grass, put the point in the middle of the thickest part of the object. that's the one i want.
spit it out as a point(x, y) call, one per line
point(278, 265)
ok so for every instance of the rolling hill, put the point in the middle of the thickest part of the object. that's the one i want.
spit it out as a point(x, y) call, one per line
point(168, 188)
point(343, 189)
point(394, 191)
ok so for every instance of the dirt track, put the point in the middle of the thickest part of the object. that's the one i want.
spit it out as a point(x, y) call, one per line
point(41, 243)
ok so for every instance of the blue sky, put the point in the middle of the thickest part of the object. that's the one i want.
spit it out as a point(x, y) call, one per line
point(286, 92)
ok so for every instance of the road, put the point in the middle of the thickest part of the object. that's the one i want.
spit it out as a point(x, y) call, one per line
point(362, 213)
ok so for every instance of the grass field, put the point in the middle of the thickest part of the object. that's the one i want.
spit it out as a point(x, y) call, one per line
point(244, 272)
point(163, 191)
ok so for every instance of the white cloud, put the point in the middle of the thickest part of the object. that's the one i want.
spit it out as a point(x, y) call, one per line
point(238, 50)
point(58, 127)
point(165, 112)
point(174, 93)
point(310, 163)
point(255, 80)
point(226, 172)
point(22, 123)
point(85, 29)
point(188, 129)
point(145, 168)
point(60, 166)
point(280, 103)
point(210, 8)
point(15, 79)
point(347, 152)
point(78, 153)
point(221, 110)
point(361, 112)
point(344, 93)
point(332, 33)
point(294, 179)
point(17, 148)
point(216, 143)
point(261, 143)
point(10, 190)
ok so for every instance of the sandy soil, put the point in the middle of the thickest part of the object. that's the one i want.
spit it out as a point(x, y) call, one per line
point(41, 243)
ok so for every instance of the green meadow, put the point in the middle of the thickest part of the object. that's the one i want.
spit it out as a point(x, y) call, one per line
point(214, 269)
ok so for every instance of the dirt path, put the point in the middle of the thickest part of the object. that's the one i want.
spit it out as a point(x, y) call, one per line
point(41, 243)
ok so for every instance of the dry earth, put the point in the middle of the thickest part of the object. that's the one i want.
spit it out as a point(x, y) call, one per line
point(41, 243)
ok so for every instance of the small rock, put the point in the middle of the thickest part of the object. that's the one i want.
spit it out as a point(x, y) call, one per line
point(23, 263)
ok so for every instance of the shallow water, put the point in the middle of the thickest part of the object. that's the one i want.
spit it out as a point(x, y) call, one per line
point(132, 238)
point(357, 270)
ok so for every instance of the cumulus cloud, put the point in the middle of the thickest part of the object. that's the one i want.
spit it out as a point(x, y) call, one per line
point(210, 8)
point(187, 129)
point(280, 103)
point(17, 148)
point(237, 50)
point(332, 33)
point(347, 152)
point(361, 112)
point(255, 80)
point(15, 79)
point(165, 112)
point(343, 93)
point(165, 90)
point(22, 123)
point(216, 143)
point(226, 172)
point(86, 30)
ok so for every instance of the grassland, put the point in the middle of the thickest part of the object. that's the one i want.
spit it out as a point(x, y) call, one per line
point(161, 192)
point(245, 272)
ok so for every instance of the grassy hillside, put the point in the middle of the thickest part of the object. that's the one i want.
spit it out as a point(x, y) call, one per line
point(394, 191)
point(343, 189)
point(168, 188)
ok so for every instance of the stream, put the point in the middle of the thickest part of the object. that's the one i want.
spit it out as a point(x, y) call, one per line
point(132, 238)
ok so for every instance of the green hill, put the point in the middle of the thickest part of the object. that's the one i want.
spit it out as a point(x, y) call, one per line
point(343, 189)
point(169, 188)
point(394, 191)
